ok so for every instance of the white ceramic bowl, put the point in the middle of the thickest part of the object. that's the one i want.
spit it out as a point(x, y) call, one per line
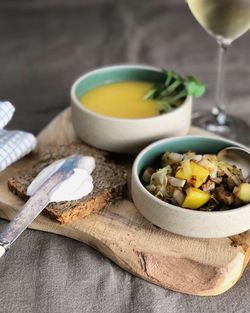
point(124, 135)
point(179, 220)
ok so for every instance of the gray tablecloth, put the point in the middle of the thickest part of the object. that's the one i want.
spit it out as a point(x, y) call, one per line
point(44, 46)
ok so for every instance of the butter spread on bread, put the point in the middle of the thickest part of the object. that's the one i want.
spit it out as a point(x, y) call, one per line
point(76, 186)
point(109, 180)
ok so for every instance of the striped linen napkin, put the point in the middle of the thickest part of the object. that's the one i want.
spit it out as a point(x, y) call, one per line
point(14, 144)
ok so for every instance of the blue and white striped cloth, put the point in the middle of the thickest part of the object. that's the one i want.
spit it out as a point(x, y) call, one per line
point(14, 144)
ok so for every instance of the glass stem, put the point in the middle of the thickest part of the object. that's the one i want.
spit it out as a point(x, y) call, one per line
point(219, 110)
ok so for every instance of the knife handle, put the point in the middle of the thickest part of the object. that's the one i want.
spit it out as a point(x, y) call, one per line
point(35, 204)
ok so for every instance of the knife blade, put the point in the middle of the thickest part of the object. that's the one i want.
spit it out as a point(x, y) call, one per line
point(36, 204)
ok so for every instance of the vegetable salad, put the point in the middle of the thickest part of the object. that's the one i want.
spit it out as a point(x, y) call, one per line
point(195, 181)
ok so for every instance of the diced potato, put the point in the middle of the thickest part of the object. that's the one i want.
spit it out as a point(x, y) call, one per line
point(194, 173)
point(195, 198)
point(199, 175)
point(185, 171)
point(243, 192)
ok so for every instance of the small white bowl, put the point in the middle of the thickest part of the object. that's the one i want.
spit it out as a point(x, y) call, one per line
point(191, 223)
point(124, 135)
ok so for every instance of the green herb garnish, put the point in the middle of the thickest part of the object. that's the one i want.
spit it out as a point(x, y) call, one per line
point(172, 92)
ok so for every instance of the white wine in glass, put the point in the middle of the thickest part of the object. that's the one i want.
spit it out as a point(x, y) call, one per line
point(225, 20)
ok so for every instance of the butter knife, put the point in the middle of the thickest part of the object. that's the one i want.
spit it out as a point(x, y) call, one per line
point(36, 204)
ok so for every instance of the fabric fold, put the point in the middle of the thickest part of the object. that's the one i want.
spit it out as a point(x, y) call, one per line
point(6, 112)
point(14, 144)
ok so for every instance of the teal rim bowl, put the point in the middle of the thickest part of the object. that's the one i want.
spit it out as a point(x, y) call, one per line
point(125, 135)
point(115, 74)
point(192, 223)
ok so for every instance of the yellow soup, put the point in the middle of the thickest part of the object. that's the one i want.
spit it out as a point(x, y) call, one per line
point(121, 100)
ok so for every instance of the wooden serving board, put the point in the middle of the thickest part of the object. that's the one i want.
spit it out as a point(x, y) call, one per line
point(195, 266)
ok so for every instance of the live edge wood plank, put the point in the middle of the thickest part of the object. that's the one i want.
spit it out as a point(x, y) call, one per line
point(195, 266)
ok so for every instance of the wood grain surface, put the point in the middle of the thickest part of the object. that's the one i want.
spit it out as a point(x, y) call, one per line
point(194, 266)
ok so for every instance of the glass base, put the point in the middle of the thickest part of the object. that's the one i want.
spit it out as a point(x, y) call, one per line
point(234, 128)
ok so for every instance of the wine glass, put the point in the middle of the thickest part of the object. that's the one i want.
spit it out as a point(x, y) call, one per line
point(225, 20)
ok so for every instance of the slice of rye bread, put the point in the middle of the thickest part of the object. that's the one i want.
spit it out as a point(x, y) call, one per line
point(109, 179)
